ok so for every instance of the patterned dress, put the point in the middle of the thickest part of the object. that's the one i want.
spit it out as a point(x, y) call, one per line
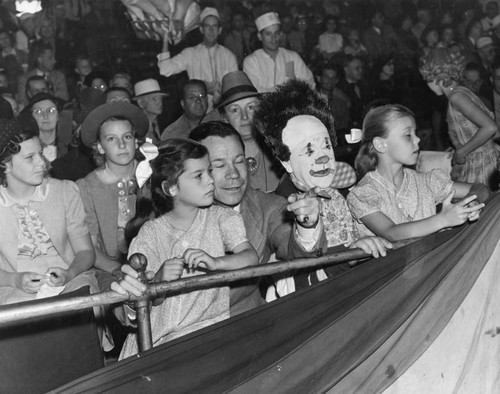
point(415, 199)
point(215, 230)
point(482, 164)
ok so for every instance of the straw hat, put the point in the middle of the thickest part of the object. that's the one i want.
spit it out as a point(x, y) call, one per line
point(236, 86)
point(99, 115)
point(147, 86)
point(483, 42)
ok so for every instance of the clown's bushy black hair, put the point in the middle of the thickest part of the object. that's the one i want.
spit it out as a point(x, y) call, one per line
point(290, 99)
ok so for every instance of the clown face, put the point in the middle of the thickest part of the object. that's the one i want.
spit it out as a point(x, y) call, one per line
point(312, 161)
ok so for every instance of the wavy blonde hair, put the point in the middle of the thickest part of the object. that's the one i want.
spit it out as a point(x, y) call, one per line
point(440, 64)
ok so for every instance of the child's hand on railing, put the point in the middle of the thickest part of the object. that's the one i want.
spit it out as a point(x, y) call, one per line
point(170, 270)
point(195, 258)
point(128, 281)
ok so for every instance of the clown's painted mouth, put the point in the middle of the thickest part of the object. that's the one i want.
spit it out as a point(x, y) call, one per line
point(325, 172)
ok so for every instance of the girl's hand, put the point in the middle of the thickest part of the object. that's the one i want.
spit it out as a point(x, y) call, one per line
point(29, 282)
point(457, 158)
point(457, 214)
point(58, 276)
point(376, 246)
point(195, 258)
point(170, 270)
point(128, 282)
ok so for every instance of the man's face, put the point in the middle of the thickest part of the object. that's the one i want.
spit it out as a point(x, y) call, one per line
point(37, 86)
point(354, 70)
point(491, 9)
point(270, 37)
point(210, 28)
point(472, 80)
point(46, 29)
point(83, 67)
point(195, 102)
point(487, 53)
point(229, 169)
point(312, 161)
point(240, 115)
point(238, 22)
point(329, 79)
point(152, 103)
point(496, 80)
point(46, 60)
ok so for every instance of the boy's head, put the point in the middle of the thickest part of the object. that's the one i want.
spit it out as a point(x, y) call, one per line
point(45, 59)
point(112, 128)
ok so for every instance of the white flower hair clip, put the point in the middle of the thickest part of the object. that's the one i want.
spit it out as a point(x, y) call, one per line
point(144, 170)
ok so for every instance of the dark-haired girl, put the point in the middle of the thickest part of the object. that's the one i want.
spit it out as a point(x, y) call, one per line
point(187, 236)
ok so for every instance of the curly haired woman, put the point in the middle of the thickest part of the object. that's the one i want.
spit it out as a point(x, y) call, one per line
point(470, 124)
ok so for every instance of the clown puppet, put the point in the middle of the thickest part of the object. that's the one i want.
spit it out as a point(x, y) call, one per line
point(298, 127)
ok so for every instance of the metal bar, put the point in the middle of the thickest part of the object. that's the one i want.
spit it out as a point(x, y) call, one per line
point(24, 311)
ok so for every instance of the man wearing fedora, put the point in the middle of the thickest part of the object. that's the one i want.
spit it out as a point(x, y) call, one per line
point(194, 103)
point(207, 61)
point(149, 97)
point(273, 65)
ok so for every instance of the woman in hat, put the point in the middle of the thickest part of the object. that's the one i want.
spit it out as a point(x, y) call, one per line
point(109, 192)
point(239, 101)
point(471, 125)
point(45, 245)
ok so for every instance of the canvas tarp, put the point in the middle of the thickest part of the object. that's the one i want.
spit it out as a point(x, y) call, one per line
point(363, 332)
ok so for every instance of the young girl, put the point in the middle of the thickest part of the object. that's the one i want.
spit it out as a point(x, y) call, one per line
point(187, 237)
point(395, 202)
point(43, 236)
point(109, 192)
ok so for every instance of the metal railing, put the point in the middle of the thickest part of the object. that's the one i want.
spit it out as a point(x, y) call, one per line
point(23, 311)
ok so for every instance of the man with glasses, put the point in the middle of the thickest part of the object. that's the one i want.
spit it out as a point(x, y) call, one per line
point(207, 61)
point(194, 102)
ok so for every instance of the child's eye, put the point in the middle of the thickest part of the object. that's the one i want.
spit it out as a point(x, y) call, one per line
point(129, 137)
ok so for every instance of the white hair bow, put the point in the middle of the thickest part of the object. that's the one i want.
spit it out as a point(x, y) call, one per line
point(144, 170)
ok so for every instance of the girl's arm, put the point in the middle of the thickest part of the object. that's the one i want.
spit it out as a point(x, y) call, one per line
point(463, 190)
point(243, 255)
point(102, 261)
point(29, 282)
point(486, 126)
point(83, 261)
point(451, 215)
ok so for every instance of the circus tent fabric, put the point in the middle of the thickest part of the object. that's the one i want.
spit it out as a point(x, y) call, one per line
point(422, 319)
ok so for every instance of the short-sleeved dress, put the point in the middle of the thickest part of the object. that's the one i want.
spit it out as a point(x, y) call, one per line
point(416, 199)
point(482, 164)
point(214, 230)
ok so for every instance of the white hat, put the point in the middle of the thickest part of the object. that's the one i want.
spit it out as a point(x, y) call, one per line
point(209, 11)
point(266, 20)
point(483, 41)
point(147, 86)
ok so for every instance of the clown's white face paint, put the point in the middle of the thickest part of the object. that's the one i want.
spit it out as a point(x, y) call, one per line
point(312, 161)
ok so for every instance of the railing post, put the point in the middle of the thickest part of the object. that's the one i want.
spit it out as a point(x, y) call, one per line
point(139, 262)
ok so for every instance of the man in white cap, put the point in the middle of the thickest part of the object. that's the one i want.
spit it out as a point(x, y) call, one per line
point(207, 61)
point(273, 65)
point(149, 97)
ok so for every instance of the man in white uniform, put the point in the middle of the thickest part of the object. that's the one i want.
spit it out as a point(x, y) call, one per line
point(273, 65)
point(207, 61)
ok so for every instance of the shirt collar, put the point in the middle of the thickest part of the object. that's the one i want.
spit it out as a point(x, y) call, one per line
point(40, 194)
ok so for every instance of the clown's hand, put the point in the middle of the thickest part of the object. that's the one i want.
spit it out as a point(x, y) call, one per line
point(305, 207)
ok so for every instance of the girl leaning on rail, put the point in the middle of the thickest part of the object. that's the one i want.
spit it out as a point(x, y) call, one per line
point(182, 234)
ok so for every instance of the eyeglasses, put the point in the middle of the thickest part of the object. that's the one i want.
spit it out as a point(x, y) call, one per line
point(196, 97)
point(101, 87)
point(38, 112)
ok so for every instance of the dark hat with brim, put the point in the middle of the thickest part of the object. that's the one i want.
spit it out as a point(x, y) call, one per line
point(236, 86)
point(99, 115)
point(42, 96)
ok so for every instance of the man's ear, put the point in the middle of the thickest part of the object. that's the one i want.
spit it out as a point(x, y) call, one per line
point(259, 36)
point(182, 104)
point(287, 166)
point(379, 144)
point(170, 191)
